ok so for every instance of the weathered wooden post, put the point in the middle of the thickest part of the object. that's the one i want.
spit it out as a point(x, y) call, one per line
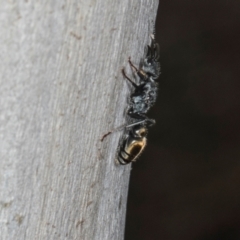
point(61, 91)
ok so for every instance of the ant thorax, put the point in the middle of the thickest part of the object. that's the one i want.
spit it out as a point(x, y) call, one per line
point(143, 98)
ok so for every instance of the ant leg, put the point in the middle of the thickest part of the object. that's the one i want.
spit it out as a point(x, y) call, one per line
point(105, 135)
point(148, 122)
point(120, 128)
point(142, 119)
point(132, 65)
point(140, 72)
point(133, 83)
point(135, 124)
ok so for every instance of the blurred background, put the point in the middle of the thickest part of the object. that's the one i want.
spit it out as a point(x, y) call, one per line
point(186, 185)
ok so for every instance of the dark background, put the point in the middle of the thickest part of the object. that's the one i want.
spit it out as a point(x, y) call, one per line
point(186, 185)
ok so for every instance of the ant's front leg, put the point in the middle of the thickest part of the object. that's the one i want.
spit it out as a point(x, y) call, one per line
point(125, 75)
point(140, 72)
point(132, 65)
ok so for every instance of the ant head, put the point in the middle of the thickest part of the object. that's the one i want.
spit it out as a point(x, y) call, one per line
point(150, 63)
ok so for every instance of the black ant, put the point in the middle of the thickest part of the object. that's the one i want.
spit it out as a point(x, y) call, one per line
point(142, 99)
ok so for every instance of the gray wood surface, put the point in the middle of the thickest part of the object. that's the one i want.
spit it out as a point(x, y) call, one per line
point(61, 89)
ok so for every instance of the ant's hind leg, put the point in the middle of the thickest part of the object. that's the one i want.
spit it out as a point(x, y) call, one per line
point(146, 122)
point(141, 119)
point(120, 128)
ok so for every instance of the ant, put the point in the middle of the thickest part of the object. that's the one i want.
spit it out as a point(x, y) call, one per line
point(142, 99)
